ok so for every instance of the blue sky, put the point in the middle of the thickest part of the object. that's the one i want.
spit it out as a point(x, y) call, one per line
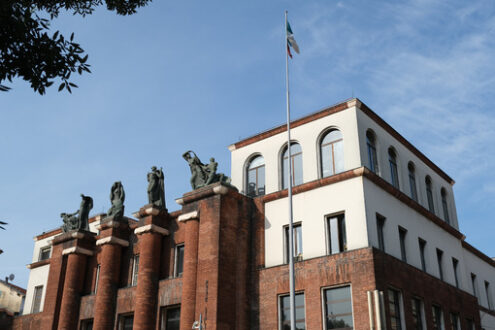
point(200, 75)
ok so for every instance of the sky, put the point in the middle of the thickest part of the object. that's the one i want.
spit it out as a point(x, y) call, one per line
point(201, 75)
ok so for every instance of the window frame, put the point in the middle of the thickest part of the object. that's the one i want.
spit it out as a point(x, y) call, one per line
point(164, 312)
point(429, 194)
point(43, 249)
point(279, 309)
point(323, 302)
point(37, 288)
point(455, 316)
point(283, 172)
point(342, 232)
point(394, 167)
point(121, 319)
point(371, 142)
point(455, 266)
point(422, 316)
point(445, 205)
point(85, 323)
point(422, 253)
point(399, 307)
point(380, 227)
point(402, 242)
point(332, 145)
point(256, 170)
point(176, 256)
point(488, 295)
point(434, 309)
point(135, 270)
point(97, 278)
point(296, 256)
point(474, 284)
point(440, 263)
point(413, 189)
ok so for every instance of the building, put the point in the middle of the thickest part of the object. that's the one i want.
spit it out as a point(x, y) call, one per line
point(11, 301)
point(376, 234)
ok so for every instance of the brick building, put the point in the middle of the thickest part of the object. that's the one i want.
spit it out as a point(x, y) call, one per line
point(376, 234)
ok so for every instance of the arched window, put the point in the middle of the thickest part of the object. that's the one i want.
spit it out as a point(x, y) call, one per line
point(429, 194)
point(394, 173)
point(412, 181)
point(371, 145)
point(332, 153)
point(445, 206)
point(296, 162)
point(256, 177)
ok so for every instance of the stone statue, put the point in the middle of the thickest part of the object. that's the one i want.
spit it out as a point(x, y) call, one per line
point(156, 188)
point(79, 219)
point(117, 197)
point(201, 174)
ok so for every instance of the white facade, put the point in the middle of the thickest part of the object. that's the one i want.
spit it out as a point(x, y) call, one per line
point(361, 200)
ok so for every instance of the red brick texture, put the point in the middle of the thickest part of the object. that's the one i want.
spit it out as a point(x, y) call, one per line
point(189, 274)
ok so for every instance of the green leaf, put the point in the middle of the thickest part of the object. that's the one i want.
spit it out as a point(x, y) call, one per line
point(61, 86)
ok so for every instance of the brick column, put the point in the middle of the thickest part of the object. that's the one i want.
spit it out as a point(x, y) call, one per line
point(188, 303)
point(113, 237)
point(150, 231)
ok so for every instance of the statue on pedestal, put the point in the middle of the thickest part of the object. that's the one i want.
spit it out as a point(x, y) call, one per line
point(201, 174)
point(156, 188)
point(117, 197)
point(79, 219)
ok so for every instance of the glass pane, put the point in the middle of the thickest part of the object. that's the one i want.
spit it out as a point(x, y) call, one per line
point(285, 174)
point(334, 236)
point(261, 181)
point(332, 137)
point(173, 319)
point(338, 308)
point(326, 161)
point(180, 260)
point(298, 241)
point(285, 312)
point(339, 156)
point(251, 188)
point(298, 174)
point(257, 161)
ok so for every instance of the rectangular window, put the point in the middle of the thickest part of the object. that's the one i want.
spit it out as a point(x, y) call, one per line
point(338, 308)
point(38, 293)
point(297, 239)
point(135, 270)
point(454, 321)
point(380, 225)
point(336, 234)
point(97, 278)
point(45, 253)
point(488, 295)
point(284, 312)
point(470, 324)
point(394, 174)
point(394, 309)
point(422, 249)
point(417, 313)
point(179, 260)
point(87, 324)
point(412, 186)
point(455, 266)
point(437, 318)
point(126, 321)
point(402, 238)
point(170, 318)
point(440, 266)
point(474, 284)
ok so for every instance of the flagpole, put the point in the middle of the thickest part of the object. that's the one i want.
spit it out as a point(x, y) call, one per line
point(292, 279)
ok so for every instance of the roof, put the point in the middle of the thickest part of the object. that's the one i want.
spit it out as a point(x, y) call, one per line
point(14, 287)
point(344, 105)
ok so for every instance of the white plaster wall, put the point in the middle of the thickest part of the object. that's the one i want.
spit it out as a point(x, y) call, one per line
point(484, 272)
point(311, 208)
point(37, 276)
point(487, 321)
point(399, 214)
point(383, 141)
point(307, 136)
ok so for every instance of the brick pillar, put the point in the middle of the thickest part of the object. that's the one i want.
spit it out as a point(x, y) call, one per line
point(188, 303)
point(65, 279)
point(113, 237)
point(149, 231)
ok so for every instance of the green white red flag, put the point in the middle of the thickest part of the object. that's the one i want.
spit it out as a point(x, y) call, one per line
point(291, 42)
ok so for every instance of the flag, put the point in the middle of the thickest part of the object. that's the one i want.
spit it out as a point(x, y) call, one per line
point(291, 42)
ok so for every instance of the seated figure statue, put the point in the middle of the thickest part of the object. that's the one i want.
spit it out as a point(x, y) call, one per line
point(79, 219)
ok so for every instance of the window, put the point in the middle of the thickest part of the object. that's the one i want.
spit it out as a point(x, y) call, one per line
point(284, 312)
point(394, 309)
point(38, 292)
point(337, 241)
point(380, 225)
point(470, 324)
point(135, 270)
point(87, 324)
point(437, 318)
point(44, 253)
point(338, 308)
point(412, 181)
point(256, 177)
point(297, 239)
point(394, 174)
point(417, 313)
point(370, 143)
point(454, 321)
point(296, 163)
point(170, 318)
point(332, 153)
point(440, 266)
point(422, 248)
point(126, 321)
point(97, 278)
point(488, 295)
point(455, 265)
point(474, 285)
point(179, 260)
point(429, 195)
point(402, 239)
point(445, 206)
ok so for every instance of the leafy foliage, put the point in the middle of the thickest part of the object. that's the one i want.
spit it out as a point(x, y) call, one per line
point(28, 51)
point(3, 223)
